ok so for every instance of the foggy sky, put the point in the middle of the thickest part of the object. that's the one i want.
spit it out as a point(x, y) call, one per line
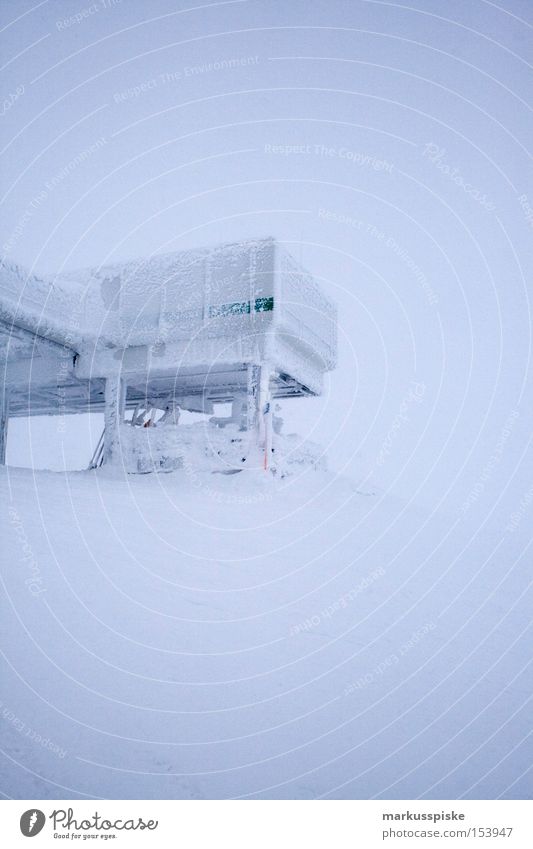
point(386, 146)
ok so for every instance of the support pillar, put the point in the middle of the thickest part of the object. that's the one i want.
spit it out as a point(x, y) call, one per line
point(115, 403)
point(257, 412)
point(238, 411)
point(250, 411)
point(265, 414)
point(4, 421)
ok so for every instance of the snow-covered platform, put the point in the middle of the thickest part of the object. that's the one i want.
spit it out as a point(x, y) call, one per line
point(203, 448)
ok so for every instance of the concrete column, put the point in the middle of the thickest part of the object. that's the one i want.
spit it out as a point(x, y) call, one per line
point(115, 402)
point(4, 420)
point(252, 396)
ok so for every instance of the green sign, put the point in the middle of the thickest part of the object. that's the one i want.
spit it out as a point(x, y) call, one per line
point(242, 307)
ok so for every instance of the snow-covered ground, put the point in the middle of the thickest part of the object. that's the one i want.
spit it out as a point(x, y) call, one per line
point(191, 636)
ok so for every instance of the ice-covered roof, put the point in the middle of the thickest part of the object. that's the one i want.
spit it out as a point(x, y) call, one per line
point(134, 302)
point(199, 315)
point(126, 303)
point(189, 295)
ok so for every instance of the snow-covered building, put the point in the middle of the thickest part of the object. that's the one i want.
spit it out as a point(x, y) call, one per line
point(240, 323)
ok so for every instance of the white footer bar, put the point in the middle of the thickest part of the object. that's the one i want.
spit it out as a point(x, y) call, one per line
point(269, 824)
